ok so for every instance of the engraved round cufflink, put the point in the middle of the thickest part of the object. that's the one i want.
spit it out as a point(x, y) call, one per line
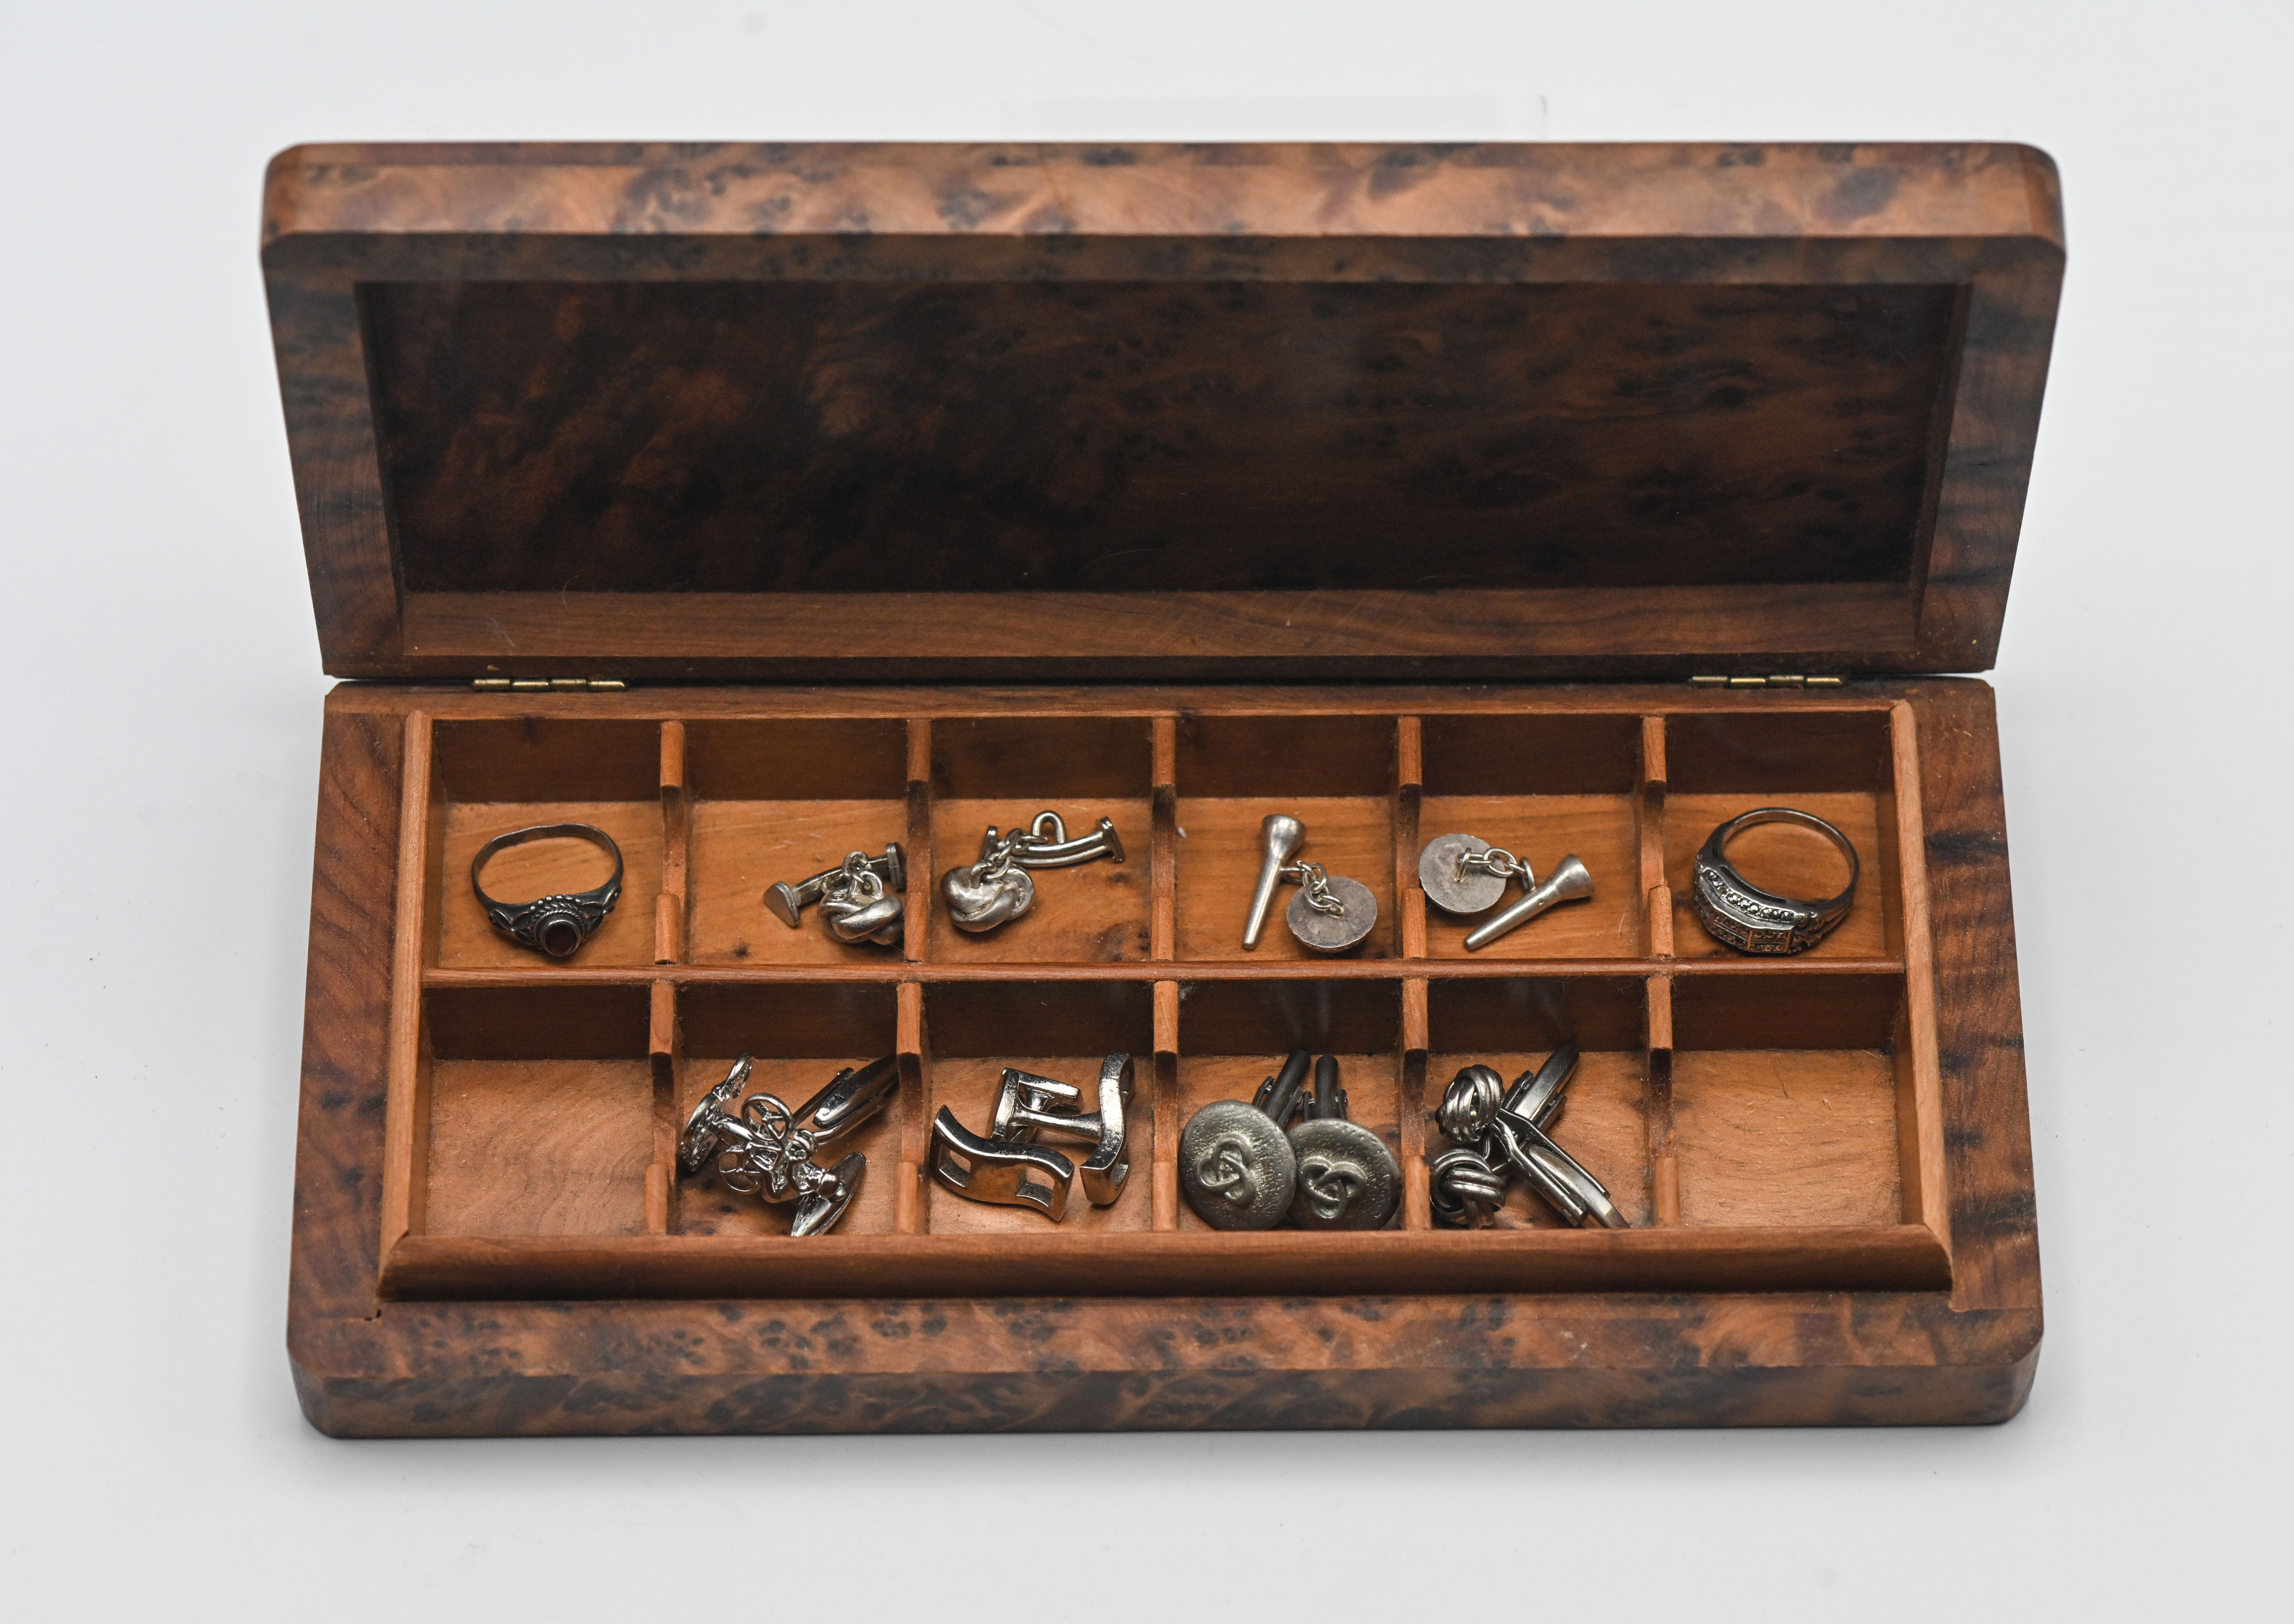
point(1009, 1168)
point(1330, 914)
point(768, 1151)
point(1348, 1179)
point(1498, 1131)
point(1464, 875)
point(860, 899)
point(997, 890)
point(1236, 1167)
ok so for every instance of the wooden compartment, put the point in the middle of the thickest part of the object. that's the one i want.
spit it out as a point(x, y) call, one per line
point(541, 1118)
point(1514, 1024)
point(1233, 1033)
point(1841, 768)
point(1061, 1030)
point(1000, 772)
point(1542, 787)
point(800, 1035)
point(1574, 498)
point(492, 777)
point(1334, 773)
point(774, 801)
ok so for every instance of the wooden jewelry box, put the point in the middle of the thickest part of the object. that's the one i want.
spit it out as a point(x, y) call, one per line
point(758, 504)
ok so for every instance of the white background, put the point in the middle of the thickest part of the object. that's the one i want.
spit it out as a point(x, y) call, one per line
point(161, 738)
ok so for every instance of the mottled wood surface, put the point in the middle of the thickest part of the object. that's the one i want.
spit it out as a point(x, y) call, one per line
point(1789, 417)
point(1587, 1358)
point(873, 437)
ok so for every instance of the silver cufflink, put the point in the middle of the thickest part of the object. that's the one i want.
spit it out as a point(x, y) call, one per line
point(1463, 874)
point(997, 890)
point(1496, 1131)
point(1249, 1166)
point(1009, 1168)
point(1236, 1167)
point(860, 899)
point(1347, 1177)
point(1330, 914)
point(766, 1149)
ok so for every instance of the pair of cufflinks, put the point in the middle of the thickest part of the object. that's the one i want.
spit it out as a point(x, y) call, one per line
point(1498, 1134)
point(1247, 1167)
point(1009, 1167)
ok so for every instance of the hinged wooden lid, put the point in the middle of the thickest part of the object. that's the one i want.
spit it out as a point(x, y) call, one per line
point(807, 412)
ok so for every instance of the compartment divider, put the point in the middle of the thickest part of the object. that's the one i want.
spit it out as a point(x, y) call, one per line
point(664, 1052)
point(1409, 797)
point(1163, 845)
point(916, 942)
point(1409, 1114)
point(1919, 1079)
point(913, 1054)
point(406, 1094)
point(669, 908)
point(1166, 1125)
point(1656, 1111)
point(1656, 897)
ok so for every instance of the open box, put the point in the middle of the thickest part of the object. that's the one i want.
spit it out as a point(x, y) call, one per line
point(1176, 486)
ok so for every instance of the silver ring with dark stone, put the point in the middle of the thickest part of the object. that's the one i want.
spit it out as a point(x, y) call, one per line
point(557, 924)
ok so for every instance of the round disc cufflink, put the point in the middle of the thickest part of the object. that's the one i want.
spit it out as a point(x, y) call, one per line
point(1464, 875)
point(1347, 1177)
point(1330, 914)
point(1740, 914)
point(557, 924)
point(1459, 876)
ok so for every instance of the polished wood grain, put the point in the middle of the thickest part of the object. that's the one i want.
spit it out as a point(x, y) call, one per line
point(1149, 371)
point(1912, 1350)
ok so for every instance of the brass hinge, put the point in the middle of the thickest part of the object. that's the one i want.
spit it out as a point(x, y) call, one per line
point(1767, 682)
point(548, 685)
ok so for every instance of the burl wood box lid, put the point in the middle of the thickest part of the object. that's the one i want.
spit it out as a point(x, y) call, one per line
point(1217, 412)
point(1291, 420)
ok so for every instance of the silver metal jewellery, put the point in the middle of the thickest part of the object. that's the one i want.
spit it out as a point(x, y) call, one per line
point(1347, 1177)
point(1330, 914)
point(1742, 915)
point(997, 890)
point(860, 899)
point(1009, 1168)
point(1496, 1131)
point(1464, 875)
point(766, 1149)
point(557, 924)
point(1236, 1167)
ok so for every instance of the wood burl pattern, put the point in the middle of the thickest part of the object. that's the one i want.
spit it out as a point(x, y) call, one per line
point(407, 1363)
point(1139, 412)
point(880, 437)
